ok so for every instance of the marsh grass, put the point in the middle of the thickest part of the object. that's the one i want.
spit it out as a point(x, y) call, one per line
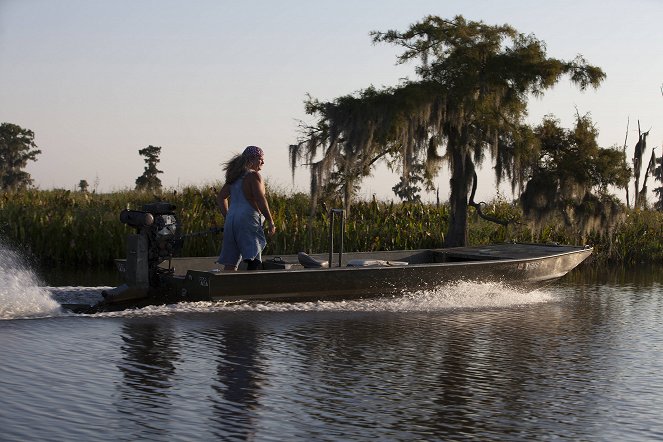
point(68, 229)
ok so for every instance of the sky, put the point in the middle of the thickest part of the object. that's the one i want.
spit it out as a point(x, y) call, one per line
point(99, 80)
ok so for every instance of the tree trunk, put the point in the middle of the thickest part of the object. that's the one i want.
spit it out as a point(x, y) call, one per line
point(462, 168)
point(347, 197)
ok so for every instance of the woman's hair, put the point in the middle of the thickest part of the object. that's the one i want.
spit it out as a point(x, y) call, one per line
point(239, 164)
point(235, 168)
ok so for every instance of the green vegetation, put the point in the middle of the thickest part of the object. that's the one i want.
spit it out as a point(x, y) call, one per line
point(467, 102)
point(470, 95)
point(67, 229)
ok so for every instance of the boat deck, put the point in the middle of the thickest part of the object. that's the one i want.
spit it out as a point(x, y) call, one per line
point(507, 251)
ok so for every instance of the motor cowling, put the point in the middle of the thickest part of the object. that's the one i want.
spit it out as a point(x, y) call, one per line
point(160, 230)
point(136, 218)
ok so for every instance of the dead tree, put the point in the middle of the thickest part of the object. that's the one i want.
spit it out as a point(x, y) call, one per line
point(628, 121)
point(638, 153)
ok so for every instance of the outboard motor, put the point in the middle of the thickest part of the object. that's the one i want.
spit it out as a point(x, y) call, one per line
point(158, 238)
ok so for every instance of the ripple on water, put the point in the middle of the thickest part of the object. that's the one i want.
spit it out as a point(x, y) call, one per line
point(462, 361)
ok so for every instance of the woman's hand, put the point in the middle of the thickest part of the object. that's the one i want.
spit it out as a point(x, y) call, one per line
point(271, 229)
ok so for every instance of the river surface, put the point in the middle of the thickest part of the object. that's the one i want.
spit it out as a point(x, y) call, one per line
point(579, 360)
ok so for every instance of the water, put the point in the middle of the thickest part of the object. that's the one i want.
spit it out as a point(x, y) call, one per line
point(578, 360)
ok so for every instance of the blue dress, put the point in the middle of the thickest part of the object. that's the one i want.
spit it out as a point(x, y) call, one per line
point(243, 237)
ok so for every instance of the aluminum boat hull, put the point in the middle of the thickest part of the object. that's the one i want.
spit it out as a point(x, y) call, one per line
point(386, 273)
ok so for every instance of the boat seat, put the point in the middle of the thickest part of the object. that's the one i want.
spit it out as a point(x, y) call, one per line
point(374, 263)
point(311, 263)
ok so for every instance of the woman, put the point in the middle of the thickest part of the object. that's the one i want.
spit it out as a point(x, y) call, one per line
point(243, 237)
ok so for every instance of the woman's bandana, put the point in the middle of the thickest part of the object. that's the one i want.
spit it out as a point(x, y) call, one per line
point(252, 153)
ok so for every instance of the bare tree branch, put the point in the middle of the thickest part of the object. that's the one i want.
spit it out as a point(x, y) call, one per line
point(477, 207)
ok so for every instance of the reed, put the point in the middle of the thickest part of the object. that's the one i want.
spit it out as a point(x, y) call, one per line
point(67, 229)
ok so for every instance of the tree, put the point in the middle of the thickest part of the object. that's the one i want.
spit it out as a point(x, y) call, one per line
point(83, 186)
point(17, 147)
point(570, 175)
point(658, 175)
point(353, 134)
point(408, 188)
point(640, 194)
point(149, 179)
point(470, 98)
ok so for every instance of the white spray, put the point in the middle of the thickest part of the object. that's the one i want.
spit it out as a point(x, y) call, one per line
point(20, 293)
point(461, 295)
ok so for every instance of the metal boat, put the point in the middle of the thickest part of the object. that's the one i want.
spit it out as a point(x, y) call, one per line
point(154, 275)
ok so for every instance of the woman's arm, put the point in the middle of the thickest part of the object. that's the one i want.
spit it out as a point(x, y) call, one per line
point(256, 193)
point(222, 199)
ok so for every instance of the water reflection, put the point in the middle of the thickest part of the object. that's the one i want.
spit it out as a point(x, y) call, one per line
point(426, 377)
point(581, 364)
point(644, 275)
point(461, 374)
point(238, 380)
point(149, 357)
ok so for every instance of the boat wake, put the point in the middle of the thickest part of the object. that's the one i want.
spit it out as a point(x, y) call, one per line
point(463, 295)
point(473, 295)
point(23, 296)
point(20, 293)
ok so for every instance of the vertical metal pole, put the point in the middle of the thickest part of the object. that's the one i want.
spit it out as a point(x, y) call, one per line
point(331, 237)
point(332, 218)
point(340, 252)
point(332, 214)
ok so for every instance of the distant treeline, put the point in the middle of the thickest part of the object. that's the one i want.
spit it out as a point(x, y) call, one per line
point(67, 229)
